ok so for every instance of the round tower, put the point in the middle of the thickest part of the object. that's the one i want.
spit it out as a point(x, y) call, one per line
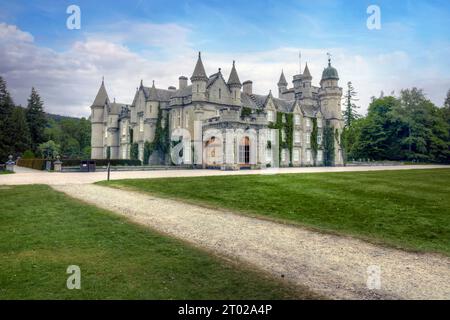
point(199, 80)
point(97, 122)
point(330, 96)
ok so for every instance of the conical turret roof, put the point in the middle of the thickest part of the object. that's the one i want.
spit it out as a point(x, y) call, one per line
point(199, 71)
point(102, 96)
point(306, 73)
point(234, 78)
point(282, 80)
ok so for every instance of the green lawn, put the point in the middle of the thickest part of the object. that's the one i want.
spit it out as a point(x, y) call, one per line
point(42, 232)
point(409, 209)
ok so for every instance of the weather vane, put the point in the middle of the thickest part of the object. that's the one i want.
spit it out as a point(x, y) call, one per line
point(329, 57)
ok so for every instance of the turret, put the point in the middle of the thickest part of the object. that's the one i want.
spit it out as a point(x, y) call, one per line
point(306, 81)
point(235, 86)
point(282, 84)
point(199, 80)
point(97, 122)
point(330, 96)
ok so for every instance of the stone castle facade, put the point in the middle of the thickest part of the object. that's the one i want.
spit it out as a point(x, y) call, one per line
point(217, 116)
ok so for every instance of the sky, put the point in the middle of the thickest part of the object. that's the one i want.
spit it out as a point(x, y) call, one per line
point(126, 41)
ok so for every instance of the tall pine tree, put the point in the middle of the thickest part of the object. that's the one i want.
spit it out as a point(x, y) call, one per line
point(350, 114)
point(19, 133)
point(6, 110)
point(36, 119)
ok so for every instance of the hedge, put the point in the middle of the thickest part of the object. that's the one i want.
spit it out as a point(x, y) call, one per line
point(102, 162)
point(39, 164)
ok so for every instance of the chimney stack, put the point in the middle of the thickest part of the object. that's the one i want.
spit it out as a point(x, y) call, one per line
point(248, 87)
point(183, 82)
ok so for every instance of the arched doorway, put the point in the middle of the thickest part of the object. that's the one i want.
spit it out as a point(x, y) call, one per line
point(244, 151)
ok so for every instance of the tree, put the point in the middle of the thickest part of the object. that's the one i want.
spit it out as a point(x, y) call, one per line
point(49, 150)
point(447, 100)
point(36, 119)
point(19, 132)
point(6, 109)
point(350, 114)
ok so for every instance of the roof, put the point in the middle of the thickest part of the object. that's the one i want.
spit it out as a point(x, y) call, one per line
point(306, 73)
point(282, 80)
point(116, 108)
point(181, 93)
point(330, 73)
point(102, 96)
point(234, 78)
point(309, 110)
point(199, 71)
point(155, 94)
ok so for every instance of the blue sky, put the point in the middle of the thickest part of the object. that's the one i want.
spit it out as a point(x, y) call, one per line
point(160, 39)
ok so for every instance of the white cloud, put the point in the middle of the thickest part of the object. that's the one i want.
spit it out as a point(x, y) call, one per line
point(68, 81)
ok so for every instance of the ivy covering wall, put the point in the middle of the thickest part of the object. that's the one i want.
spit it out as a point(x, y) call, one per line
point(161, 142)
point(328, 145)
point(287, 127)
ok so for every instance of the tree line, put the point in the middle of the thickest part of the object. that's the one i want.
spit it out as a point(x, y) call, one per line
point(407, 127)
point(31, 133)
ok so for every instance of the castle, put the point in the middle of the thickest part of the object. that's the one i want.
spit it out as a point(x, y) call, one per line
point(216, 115)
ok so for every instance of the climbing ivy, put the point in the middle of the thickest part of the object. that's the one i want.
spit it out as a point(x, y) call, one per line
point(134, 151)
point(328, 145)
point(161, 142)
point(245, 112)
point(288, 128)
point(314, 144)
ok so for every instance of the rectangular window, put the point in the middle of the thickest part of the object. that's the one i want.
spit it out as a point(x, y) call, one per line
point(319, 138)
point(268, 155)
point(308, 122)
point(124, 130)
point(296, 155)
point(320, 155)
point(297, 119)
point(297, 137)
point(141, 124)
point(283, 155)
point(319, 123)
point(307, 138)
point(270, 116)
point(308, 156)
point(283, 135)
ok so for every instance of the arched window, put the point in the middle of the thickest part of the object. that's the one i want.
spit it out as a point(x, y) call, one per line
point(244, 151)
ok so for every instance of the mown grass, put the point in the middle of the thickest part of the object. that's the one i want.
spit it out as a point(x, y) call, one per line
point(408, 209)
point(42, 232)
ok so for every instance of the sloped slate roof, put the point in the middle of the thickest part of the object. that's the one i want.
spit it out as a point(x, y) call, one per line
point(282, 80)
point(102, 96)
point(158, 94)
point(309, 111)
point(234, 78)
point(199, 71)
point(306, 73)
point(116, 108)
point(181, 93)
point(284, 105)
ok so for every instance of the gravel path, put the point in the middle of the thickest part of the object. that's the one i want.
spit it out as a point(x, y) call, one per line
point(334, 266)
point(29, 176)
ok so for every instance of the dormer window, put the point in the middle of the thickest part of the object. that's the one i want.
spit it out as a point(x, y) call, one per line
point(297, 119)
point(270, 116)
